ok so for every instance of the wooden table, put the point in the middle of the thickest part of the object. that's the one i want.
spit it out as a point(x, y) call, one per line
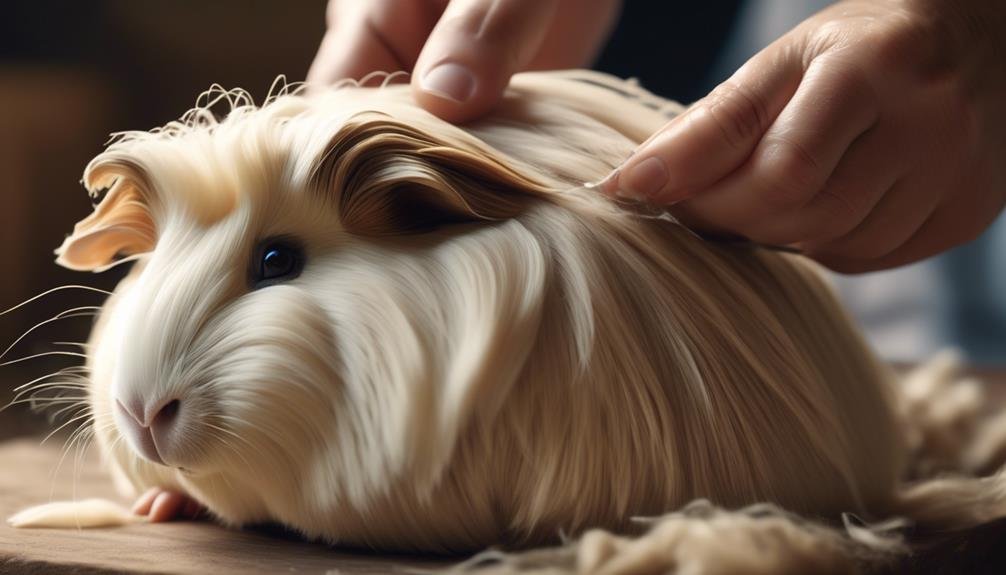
point(26, 478)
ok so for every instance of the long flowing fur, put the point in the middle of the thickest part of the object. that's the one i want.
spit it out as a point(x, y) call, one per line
point(481, 349)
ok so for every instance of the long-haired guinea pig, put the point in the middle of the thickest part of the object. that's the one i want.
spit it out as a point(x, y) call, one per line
point(377, 328)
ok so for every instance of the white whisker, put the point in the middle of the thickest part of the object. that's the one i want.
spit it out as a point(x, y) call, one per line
point(68, 422)
point(38, 355)
point(54, 290)
point(39, 379)
point(68, 314)
point(83, 346)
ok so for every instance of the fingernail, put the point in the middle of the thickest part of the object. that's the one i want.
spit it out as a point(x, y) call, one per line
point(646, 178)
point(610, 186)
point(606, 183)
point(450, 81)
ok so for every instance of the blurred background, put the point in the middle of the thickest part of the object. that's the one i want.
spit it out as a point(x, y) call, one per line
point(72, 72)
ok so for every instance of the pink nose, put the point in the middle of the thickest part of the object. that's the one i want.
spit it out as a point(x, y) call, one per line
point(149, 427)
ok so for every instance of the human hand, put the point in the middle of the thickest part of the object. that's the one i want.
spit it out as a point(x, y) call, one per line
point(872, 135)
point(461, 53)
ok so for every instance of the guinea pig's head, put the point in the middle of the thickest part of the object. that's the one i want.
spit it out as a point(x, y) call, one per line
point(233, 347)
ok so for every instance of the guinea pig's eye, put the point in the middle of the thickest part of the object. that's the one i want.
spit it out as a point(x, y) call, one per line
point(277, 260)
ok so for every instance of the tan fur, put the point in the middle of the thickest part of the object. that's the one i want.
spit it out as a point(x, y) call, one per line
point(480, 350)
point(937, 512)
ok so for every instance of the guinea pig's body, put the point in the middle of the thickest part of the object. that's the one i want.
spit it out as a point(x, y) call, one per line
point(473, 348)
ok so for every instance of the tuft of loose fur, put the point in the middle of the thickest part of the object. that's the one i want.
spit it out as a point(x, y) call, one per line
point(481, 349)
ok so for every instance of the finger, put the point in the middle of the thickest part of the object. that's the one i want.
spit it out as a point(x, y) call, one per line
point(898, 216)
point(378, 35)
point(166, 506)
point(940, 232)
point(142, 505)
point(833, 106)
point(852, 191)
point(949, 224)
point(331, 64)
point(474, 50)
point(716, 134)
point(578, 32)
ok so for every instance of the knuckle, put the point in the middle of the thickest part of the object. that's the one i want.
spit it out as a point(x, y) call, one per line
point(839, 204)
point(902, 38)
point(840, 208)
point(857, 82)
point(739, 113)
point(791, 175)
point(854, 82)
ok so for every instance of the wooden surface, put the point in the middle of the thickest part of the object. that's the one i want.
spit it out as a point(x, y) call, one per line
point(26, 479)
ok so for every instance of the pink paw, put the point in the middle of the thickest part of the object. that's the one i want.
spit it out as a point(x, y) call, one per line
point(160, 504)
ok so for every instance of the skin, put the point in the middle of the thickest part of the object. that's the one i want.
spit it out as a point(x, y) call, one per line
point(159, 505)
point(491, 40)
point(871, 135)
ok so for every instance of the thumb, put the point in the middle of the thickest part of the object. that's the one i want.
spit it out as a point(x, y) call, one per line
point(716, 135)
point(474, 49)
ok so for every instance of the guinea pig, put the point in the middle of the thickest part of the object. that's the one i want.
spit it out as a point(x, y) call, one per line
point(379, 329)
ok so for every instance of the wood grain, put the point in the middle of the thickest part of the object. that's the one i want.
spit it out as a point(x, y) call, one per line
point(27, 478)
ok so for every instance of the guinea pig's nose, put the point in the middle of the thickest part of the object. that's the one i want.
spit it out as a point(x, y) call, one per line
point(163, 424)
point(166, 415)
point(150, 426)
point(160, 414)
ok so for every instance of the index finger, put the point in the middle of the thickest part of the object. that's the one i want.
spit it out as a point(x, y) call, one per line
point(373, 36)
point(715, 135)
point(792, 162)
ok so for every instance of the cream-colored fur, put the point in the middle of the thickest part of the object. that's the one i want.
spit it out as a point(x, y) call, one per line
point(481, 350)
point(933, 520)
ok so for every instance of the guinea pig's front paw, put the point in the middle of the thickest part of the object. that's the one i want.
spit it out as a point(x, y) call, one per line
point(160, 504)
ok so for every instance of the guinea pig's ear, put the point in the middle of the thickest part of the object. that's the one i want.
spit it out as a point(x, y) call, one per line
point(121, 225)
point(389, 178)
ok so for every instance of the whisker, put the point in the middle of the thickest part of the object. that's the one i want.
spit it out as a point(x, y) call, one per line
point(53, 385)
point(83, 346)
point(81, 429)
point(78, 432)
point(78, 461)
point(70, 313)
point(81, 457)
point(230, 446)
point(38, 379)
point(62, 410)
point(54, 290)
point(39, 387)
point(40, 404)
point(115, 443)
point(68, 422)
point(37, 355)
point(47, 401)
point(59, 464)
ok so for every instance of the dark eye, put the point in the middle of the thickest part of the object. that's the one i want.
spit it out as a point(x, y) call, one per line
point(278, 260)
